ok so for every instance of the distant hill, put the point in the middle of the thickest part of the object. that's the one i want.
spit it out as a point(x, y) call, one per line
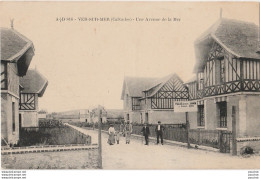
point(75, 114)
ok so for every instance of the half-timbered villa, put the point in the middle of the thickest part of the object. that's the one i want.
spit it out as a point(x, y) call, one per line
point(152, 99)
point(33, 86)
point(16, 54)
point(227, 78)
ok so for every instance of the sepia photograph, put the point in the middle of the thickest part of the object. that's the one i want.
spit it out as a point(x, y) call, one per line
point(130, 86)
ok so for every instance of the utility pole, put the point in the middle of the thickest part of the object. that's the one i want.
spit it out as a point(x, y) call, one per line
point(187, 129)
point(99, 139)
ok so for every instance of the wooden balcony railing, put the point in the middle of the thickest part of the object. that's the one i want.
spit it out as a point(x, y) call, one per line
point(228, 87)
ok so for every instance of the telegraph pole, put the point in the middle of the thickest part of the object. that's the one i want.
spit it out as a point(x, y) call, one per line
point(187, 129)
point(99, 140)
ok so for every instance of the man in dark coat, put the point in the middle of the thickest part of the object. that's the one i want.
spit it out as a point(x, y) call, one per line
point(159, 132)
point(146, 133)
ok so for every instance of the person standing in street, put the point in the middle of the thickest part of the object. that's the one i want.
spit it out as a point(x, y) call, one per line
point(146, 133)
point(111, 133)
point(159, 132)
point(121, 128)
point(128, 130)
point(117, 137)
point(120, 132)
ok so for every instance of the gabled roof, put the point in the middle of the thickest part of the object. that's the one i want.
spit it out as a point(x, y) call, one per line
point(162, 81)
point(16, 48)
point(237, 37)
point(135, 86)
point(13, 44)
point(159, 81)
point(34, 82)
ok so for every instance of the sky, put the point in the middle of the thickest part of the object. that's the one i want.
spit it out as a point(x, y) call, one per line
point(85, 61)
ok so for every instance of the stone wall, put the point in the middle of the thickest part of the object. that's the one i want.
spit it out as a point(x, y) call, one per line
point(253, 143)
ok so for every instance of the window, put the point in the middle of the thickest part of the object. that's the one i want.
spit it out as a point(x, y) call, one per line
point(13, 116)
point(222, 70)
point(201, 120)
point(146, 118)
point(141, 118)
point(3, 76)
point(136, 104)
point(222, 106)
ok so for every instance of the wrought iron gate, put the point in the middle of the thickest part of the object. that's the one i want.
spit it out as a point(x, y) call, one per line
point(225, 141)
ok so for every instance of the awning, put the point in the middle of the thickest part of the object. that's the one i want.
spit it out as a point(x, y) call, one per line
point(220, 99)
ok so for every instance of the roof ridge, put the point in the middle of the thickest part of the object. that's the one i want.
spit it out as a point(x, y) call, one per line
point(159, 82)
point(29, 44)
point(240, 21)
point(212, 29)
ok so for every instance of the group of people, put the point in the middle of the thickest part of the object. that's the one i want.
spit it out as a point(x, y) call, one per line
point(114, 136)
point(126, 130)
point(159, 133)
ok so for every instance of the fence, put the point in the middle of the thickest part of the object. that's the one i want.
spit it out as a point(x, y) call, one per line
point(205, 137)
point(211, 138)
point(178, 132)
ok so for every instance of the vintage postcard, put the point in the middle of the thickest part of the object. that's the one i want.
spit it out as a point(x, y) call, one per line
point(130, 85)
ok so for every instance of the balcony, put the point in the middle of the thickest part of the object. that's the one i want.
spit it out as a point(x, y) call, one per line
point(229, 87)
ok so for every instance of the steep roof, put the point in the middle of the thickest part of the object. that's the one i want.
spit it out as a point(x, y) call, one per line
point(237, 37)
point(162, 81)
point(34, 82)
point(135, 85)
point(159, 81)
point(13, 44)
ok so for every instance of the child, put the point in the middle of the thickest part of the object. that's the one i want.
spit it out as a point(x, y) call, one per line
point(117, 137)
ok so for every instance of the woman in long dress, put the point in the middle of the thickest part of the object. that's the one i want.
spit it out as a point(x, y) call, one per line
point(111, 133)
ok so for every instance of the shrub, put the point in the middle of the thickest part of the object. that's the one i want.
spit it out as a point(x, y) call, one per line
point(246, 150)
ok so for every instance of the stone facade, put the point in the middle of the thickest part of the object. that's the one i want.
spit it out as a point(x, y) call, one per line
point(10, 106)
point(7, 110)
